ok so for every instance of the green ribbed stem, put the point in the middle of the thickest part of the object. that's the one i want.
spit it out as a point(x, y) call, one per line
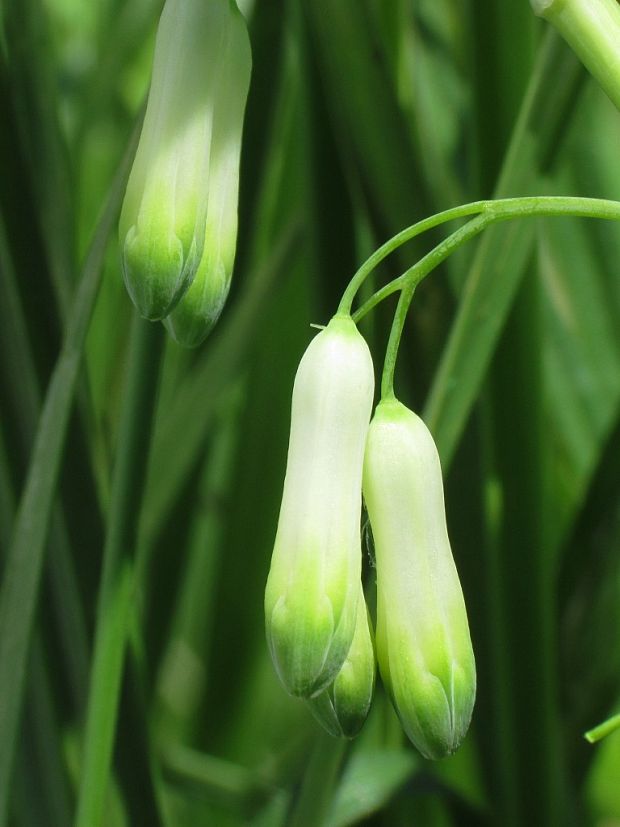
point(485, 214)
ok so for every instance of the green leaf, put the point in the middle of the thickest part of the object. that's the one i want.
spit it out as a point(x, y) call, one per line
point(369, 781)
point(501, 255)
point(582, 365)
point(363, 104)
point(117, 585)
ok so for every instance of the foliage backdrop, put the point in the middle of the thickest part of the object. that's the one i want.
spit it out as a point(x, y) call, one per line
point(363, 117)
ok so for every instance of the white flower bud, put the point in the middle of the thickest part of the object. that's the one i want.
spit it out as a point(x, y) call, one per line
point(423, 644)
point(162, 225)
point(199, 309)
point(313, 585)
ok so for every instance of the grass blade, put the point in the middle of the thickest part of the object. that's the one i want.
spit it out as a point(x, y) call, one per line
point(117, 582)
point(501, 255)
point(364, 106)
point(17, 369)
point(18, 597)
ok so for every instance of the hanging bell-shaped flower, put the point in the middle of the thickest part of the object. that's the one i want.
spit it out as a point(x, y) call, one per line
point(423, 643)
point(314, 582)
point(164, 215)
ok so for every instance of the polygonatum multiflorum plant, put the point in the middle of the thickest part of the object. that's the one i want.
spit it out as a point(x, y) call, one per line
point(178, 232)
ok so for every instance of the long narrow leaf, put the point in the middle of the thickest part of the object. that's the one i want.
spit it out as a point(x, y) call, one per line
point(501, 256)
point(18, 597)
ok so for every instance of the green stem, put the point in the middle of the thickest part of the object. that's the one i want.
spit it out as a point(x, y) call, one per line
point(116, 590)
point(387, 379)
point(487, 213)
point(397, 241)
point(602, 730)
point(319, 782)
point(415, 274)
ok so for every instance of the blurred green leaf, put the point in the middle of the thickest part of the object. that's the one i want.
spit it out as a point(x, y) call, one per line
point(18, 596)
point(363, 103)
point(501, 255)
point(370, 779)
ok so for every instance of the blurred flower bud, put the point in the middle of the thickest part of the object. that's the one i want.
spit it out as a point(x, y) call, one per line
point(423, 644)
point(164, 214)
point(342, 708)
point(313, 585)
point(592, 30)
point(199, 309)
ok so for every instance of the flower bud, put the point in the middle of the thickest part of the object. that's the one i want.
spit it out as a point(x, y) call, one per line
point(592, 30)
point(423, 644)
point(163, 218)
point(199, 309)
point(342, 708)
point(313, 585)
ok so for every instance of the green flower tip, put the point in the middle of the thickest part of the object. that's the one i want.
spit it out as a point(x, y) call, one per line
point(196, 314)
point(313, 585)
point(154, 271)
point(302, 638)
point(343, 707)
point(423, 643)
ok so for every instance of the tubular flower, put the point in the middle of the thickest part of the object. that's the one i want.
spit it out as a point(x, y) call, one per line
point(162, 225)
point(423, 644)
point(343, 707)
point(313, 585)
point(199, 309)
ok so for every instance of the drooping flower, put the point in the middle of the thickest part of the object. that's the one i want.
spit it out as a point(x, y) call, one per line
point(313, 585)
point(423, 643)
point(199, 309)
point(164, 215)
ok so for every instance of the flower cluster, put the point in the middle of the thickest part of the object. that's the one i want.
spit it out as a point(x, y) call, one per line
point(178, 225)
point(318, 628)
